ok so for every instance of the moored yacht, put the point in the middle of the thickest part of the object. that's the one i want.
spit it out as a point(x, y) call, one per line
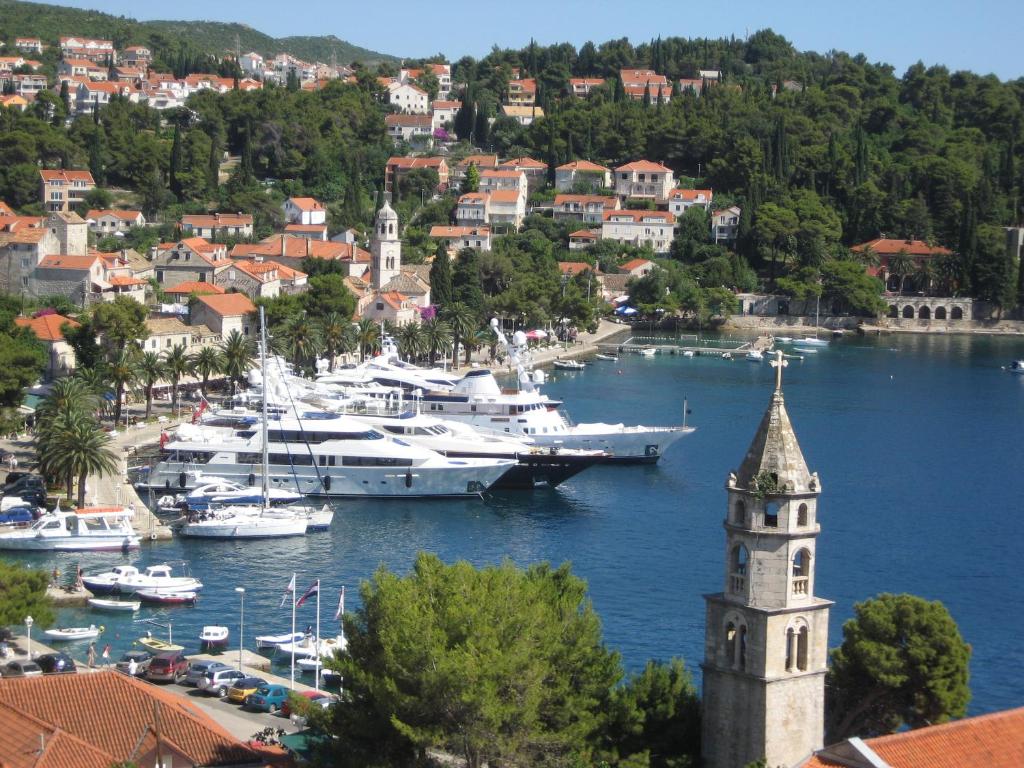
point(127, 579)
point(90, 528)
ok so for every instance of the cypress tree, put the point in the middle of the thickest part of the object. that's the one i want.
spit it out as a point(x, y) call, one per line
point(213, 164)
point(441, 277)
point(481, 128)
point(175, 162)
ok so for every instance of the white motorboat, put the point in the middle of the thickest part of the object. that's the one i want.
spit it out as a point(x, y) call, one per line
point(183, 597)
point(66, 634)
point(268, 642)
point(648, 352)
point(784, 339)
point(569, 365)
point(87, 529)
point(755, 356)
point(126, 579)
point(1017, 366)
point(245, 522)
point(104, 604)
point(727, 355)
point(222, 491)
point(805, 351)
point(609, 358)
point(213, 637)
point(814, 341)
point(688, 353)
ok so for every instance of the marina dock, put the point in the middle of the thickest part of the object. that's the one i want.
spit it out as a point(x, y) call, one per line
point(637, 344)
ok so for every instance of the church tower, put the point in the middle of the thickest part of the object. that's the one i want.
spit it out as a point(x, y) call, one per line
point(386, 248)
point(766, 634)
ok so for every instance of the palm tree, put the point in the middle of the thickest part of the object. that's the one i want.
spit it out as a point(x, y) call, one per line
point(867, 256)
point(437, 335)
point(412, 341)
point(176, 365)
point(205, 363)
point(95, 380)
point(151, 370)
point(302, 339)
point(71, 401)
point(463, 324)
point(123, 371)
point(902, 266)
point(487, 337)
point(925, 275)
point(369, 337)
point(948, 270)
point(333, 332)
point(79, 449)
point(238, 353)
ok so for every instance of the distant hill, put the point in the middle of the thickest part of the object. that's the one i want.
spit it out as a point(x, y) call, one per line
point(50, 22)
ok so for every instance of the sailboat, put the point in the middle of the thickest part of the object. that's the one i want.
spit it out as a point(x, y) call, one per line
point(814, 341)
point(247, 521)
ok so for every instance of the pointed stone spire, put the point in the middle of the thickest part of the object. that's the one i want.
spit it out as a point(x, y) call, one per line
point(775, 449)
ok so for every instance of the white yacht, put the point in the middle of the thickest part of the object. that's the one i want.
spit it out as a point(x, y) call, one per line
point(218, 491)
point(321, 453)
point(127, 579)
point(91, 528)
point(479, 401)
point(388, 371)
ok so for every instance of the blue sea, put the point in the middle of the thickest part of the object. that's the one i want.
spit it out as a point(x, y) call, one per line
point(917, 440)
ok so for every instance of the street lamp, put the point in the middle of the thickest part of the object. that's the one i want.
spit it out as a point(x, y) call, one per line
point(241, 625)
point(28, 631)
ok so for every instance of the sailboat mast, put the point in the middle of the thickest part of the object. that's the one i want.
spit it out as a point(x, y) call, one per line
point(319, 661)
point(266, 454)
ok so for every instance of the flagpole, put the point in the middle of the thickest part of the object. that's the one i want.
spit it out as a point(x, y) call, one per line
point(293, 631)
point(319, 661)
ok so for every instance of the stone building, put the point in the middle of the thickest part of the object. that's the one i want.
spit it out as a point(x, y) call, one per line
point(766, 633)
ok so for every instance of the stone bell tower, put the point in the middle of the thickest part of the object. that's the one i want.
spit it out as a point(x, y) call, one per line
point(386, 248)
point(766, 634)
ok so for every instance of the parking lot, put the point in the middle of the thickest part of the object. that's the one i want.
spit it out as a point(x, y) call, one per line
point(239, 722)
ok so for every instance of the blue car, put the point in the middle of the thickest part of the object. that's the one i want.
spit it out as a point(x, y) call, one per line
point(268, 698)
point(16, 515)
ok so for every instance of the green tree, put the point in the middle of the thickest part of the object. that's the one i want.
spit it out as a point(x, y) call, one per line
point(438, 337)
point(902, 265)
point(463, 322)
point(328, 294)
point(22, 361)
point(337, 336)
point(472, 181)
point(412, 342)
point(902, 664)
point(441, 276)
point(205, 363)
point(775, 227)
point(176, 366)
point(23, 594)
point(150, 371)
point(499, 665)
point(303, 340)
point(368, 334)
point(119, 322)
point(847, 286)
point(123, 372)
point(238, 354)
point(71, 401)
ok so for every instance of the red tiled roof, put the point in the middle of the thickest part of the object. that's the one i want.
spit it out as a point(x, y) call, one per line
point(67, 176)
point(310, 228)
point(632, 264)
point(408, 120)
point(125, 215)
point(606, 202)
point(192, 286)
point(690, 194)
point(500, 174)
point(480, 161)
point(439, 230)
point(300, 248)
point(46, 327)
point(218, 220)
point(519, 163)
point(583, 234)
point(228, 304)
point(5, 209)
point(416, 162)
point(439, 104)
point(116, 714)
point(64, 261)
point(666, 217)
point(28, 742)
point(306, 203)
point(645, 166)
point(583, 165)
point(286, 273)
point(125, 280)
point(573, 267)
point(505, 195)
point(992, 741)
point(887, 246)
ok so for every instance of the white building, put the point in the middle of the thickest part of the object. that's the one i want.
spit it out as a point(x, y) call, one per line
point(252, 64)
point(409, 128)
point(680, 200)
point(409, 98)
point(582, 173)
point(725, 224)
point(457, 238)
point(588, 208)
point(443, 112)
point(654, 229)
point(495, 180)
point(644, 180)
point(304, 210)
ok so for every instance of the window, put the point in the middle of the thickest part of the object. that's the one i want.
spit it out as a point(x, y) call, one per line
point(802, 563)
point(739, 512)
point(801, 515)
point(743, 648)
point(802, 638)
point(771, 515)
point(730, 643)
point(790, 641)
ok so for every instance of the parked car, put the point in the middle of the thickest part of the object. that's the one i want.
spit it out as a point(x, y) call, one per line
point(56, 664)
point(316, 698)
point(200, 668)
point(13, 477)
point(170, 666)
point(20, 669)
point(269, 698)
point(218, 682)
point(244, 687)
point(142, 661)
point(16, 515)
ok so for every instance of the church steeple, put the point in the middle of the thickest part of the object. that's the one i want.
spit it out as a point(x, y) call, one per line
point(766, 636)
point(386, 248)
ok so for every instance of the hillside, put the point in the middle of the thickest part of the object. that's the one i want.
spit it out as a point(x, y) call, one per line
point(49, 22)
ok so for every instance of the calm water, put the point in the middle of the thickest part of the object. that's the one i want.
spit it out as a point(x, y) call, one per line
point(917, 442)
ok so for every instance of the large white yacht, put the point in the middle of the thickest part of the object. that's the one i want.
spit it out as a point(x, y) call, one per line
point(321, 453)
point(478, 400)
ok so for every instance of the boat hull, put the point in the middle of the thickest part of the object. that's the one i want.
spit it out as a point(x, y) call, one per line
point(627, 446)
point(115, 605)
point(69, 543)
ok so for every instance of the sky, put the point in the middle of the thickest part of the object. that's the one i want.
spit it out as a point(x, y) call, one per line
point(982, 36)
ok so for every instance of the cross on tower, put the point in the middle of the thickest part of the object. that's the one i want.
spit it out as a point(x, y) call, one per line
point(778, 364)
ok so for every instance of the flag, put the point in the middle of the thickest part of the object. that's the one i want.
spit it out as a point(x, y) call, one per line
point(341, 605)
point(197, 414)
point(289, 590)
point(313, 591)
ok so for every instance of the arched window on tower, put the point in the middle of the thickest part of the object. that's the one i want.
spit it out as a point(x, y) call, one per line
point(790, 648)
point(730, 643)
point(802, 638)
point(771, 515)
point(738, 568)
point(391, 229)
point(739, 512)
point(801, 515)
point(742, 664)
point(801, 571)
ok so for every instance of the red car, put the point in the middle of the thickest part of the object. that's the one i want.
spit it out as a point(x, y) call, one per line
point(170, 666)
point(316, 696)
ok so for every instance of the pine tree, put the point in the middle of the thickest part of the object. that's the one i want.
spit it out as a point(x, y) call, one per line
point(465, 119)
point(213, 164)
point(175, 162)
point(481, 128)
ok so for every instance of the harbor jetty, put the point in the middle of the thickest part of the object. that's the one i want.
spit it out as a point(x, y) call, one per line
point(689, 344)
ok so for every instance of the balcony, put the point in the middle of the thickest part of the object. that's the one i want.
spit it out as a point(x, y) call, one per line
point(801, 586)
point(737, 583)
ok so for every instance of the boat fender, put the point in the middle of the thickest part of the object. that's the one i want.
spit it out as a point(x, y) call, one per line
point(252, 479)
point(152, 536)
point(167, 485)
point(182, 480)
point(327, 482)
point(408, 479)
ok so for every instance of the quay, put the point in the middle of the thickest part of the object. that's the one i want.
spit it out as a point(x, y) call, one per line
point(636, 345)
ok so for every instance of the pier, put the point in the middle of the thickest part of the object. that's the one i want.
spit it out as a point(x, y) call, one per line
point(637, 344)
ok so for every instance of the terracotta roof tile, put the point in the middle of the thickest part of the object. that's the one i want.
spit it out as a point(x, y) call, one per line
point(217, 220)
point(124, 280)
point(125, 215)
point(583, 165)
point(67, 175)
point(28, 742)
point(603, 200)
point(573, 267)
point(64, 261)
point(690, 194)
point(632, 264)
point(660, 217)
point(505, 195)
point(644, 166)
point(306, 203)
point(891, 246)
point(46, 327)
point(192, 286)
point(228, 304)
point(439, 230)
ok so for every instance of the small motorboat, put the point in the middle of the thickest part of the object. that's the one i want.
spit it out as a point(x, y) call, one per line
point(184, 597)
point(104, 604)
point(814, 341)
point(609, 358)
point(159, 646)
point(755, 356)
point(309, 663)
point(1017, 366)
point(65, 634)
point(648, 352)
point(784, 339)
point(271, 642)
point(213, 637)
point(569, 365)
point(727, 355)
point(805, 351)
point(688, 353)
